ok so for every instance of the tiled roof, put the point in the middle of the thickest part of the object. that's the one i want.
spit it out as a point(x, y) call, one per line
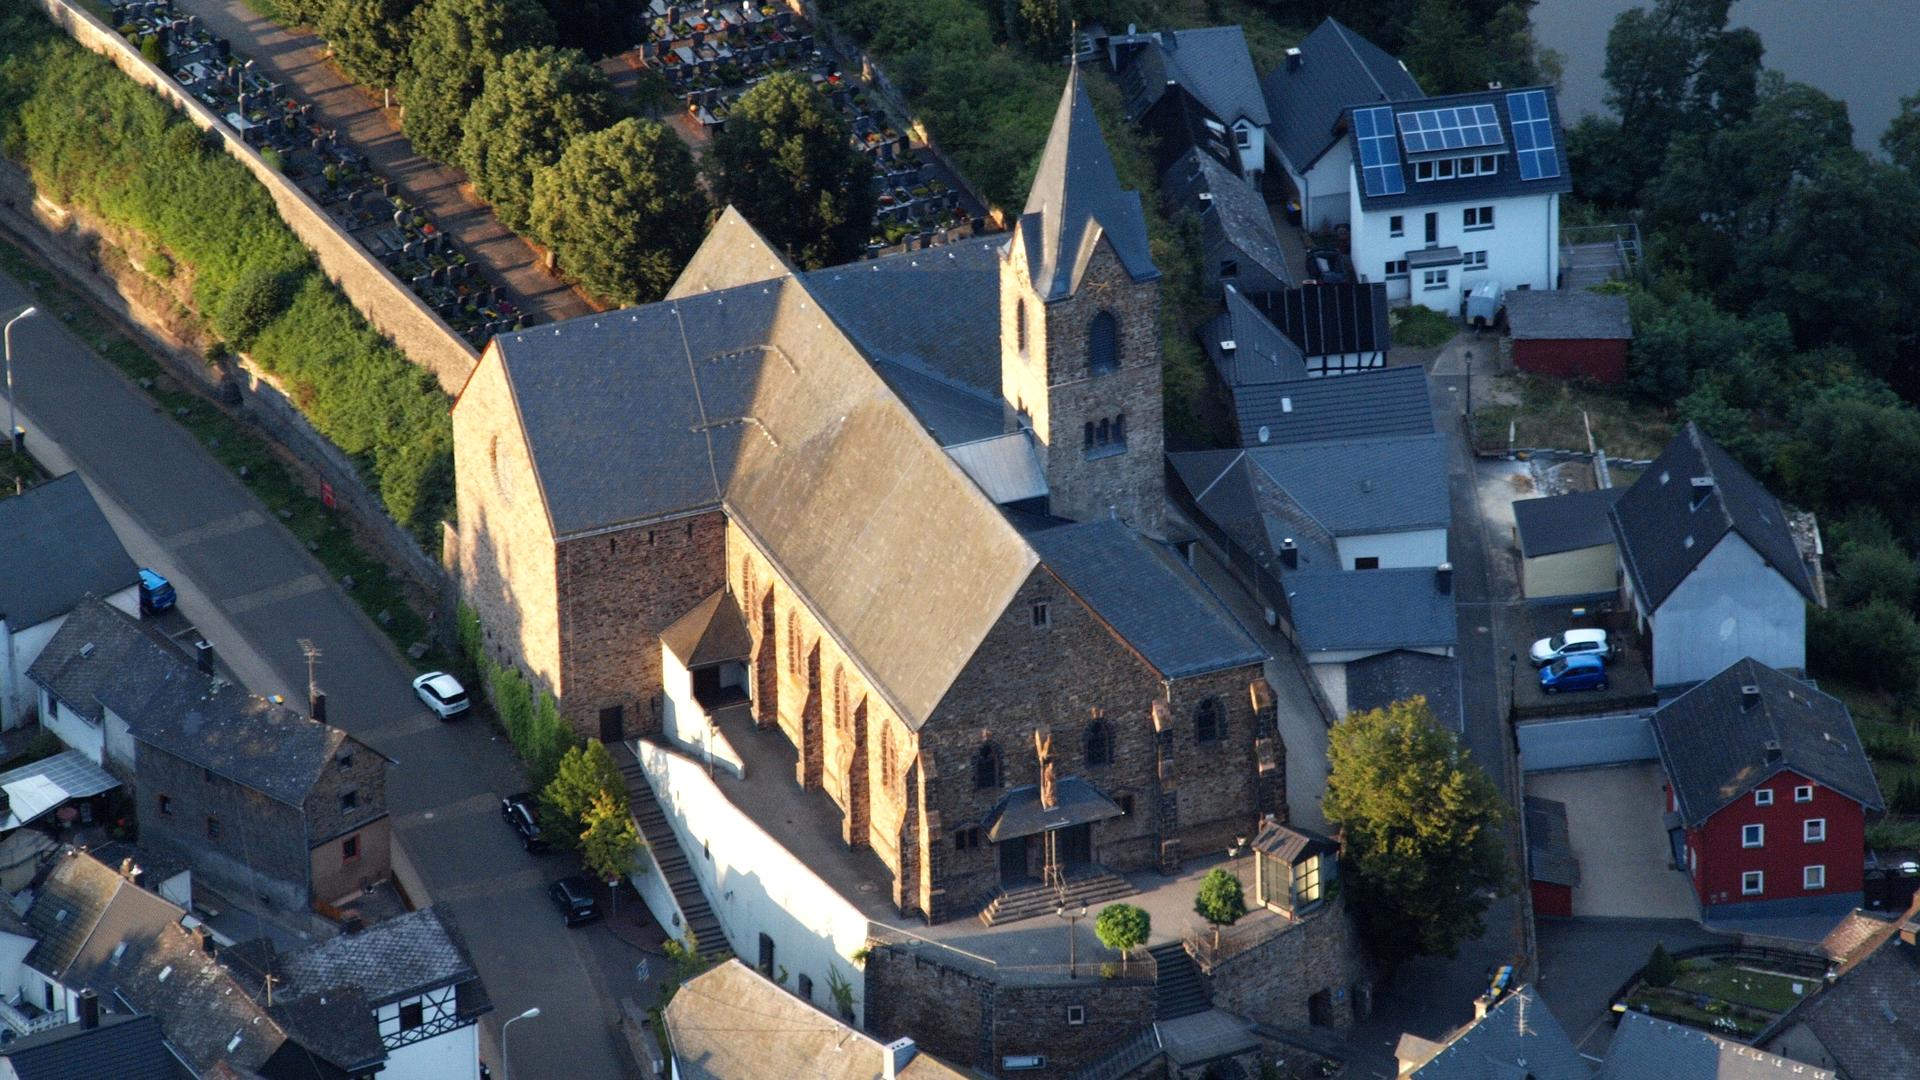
point(1504, 183)
point(1212, 63)
point(1663, 535)
point(1150, 598)
point(125, 662)
point(1713, 742)
point(1518, 1038)
point(56, 547)
point(1335, 319)
point(1644, 1046)
point(66, 908)
point(1549, 847)
point(1855, 936)
point(710, 632)
point(1375, 682)
point(122, 1047)
point(1077, 198)
point(1567, 315)
point(1260, 353)
point(1233, 213)
point(1337, 69)
point(1370, 609)
point(1869, 1018)
point(1368, 404)
point(1354, 486)
point(1556, 523)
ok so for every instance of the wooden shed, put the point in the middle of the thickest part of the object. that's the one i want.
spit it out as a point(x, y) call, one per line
point(1570, 334)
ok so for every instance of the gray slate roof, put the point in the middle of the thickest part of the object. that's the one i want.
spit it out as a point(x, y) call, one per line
point(55, 547)
point(710, 632)
point(1290, 844)
point(1549, 847)
point(1370, 609)
point(1869, 1018)
point(67, 907)
point(1714, 747)
point(1338, 69)
point(1644, 1046)
point(1260, 354)
point(1335, 319)
point(1233, 214)
point(1567, 315)
point(1519, 1037)
point(1149, 597)
point(1368, 404)
point(122, 1047)
point(1076, 198)
point(125, 662)
point(1506, 183)
point(399, 958)
point(1655, 518)
point(1212, 63)
point(1375, 682)
point(1387, 484)
point(1568, 522)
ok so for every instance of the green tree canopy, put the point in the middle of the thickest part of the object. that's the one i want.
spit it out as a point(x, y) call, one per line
point(534, 103)
point(1443, 52)
point(1876, 645)
point(622, 209)
point(1660, 969)
point(1220, 900)
point(1864, 572)
point(785, 161)
point(584, 773)
point(609, 842)
point(1123, 928)
point(1901, 140)
point(1421, 831)
point(256, 299)
point(368, 37)
point(454, 44)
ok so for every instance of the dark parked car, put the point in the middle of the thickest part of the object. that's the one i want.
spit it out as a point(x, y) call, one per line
point(519, 812)
point(1329, 266)
point(574, 897)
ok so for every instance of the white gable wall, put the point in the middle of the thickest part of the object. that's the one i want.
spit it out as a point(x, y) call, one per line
point(452, 1055)
point(1322, 186)
point(20, 648)
point(1733, 605)
point(1421, 547)
point(1522, 246)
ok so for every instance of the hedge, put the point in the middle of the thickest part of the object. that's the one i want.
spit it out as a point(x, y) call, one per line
point(91, 137)
point(532, 722)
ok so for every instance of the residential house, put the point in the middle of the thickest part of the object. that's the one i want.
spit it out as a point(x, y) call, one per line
point(1570, 333)
point(1567, 550)
point(1863, 1024)
point(1213, 66)
point(55, 548)
point(1386, 403)
point(1512, 1034)
point(1768, 789)
point(1646, 1046)
point(732, 1022)
point(101, 657)
point(1339, 327)
point(1332, 70)
point(1246, 349)
point(1709, 566)
point(399, 997)
point(123, 1047)
point(1238, 243)
point(1450, 192)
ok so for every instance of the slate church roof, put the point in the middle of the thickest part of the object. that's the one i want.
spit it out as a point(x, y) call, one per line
point(56, 547)
point(1668, 520)
point(1714, 740)
point(1337, 69)
point(1076, 198)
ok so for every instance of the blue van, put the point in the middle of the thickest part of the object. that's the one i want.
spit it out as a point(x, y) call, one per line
point(156, 592)
point(1574, 673)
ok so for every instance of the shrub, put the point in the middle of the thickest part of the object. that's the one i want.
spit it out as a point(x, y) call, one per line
point(1660, 970)
point(1122, 928)
point(1221, 900)
point(152, 51)
point(253, 302)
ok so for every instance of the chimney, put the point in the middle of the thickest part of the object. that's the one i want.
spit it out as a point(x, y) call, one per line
point(317, 707)
point(1750, 697)
point(1290, 554)
point(207, 944)
point(1910, 930)
point(895, 1056)
point(203, 656)
point(1295, 61)
point(1443, 578)
point(1485, 1003)
point(89, 1010)
point(1773, 751)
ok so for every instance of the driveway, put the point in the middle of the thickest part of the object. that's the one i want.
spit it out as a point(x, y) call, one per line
point(253, 589)
point(1615, 825)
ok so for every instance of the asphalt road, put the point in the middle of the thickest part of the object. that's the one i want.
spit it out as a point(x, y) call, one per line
point(254, 591)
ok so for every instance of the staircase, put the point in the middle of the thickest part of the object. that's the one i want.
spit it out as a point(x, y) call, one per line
point(1088, 888)
point(1178, 990)
point(665, 847)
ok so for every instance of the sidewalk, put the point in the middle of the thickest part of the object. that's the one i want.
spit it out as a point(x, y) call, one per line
point(297, 58)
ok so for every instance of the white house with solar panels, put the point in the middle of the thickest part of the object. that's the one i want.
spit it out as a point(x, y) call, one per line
point(1450, 192)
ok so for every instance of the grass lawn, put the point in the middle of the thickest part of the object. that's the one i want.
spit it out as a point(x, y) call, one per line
point(1548, 416)
point(1684, 1013)
point(1416, 327)
point(1742, 986)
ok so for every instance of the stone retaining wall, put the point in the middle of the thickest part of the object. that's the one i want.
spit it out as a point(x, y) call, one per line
point(379, 296)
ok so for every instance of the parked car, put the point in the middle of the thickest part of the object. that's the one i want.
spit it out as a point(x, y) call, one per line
point(1329, 266)
point(442, 693)
point(1574, 673)
point(1572, 643)
point(518, 811)
point(156, 593)
point(574, 897)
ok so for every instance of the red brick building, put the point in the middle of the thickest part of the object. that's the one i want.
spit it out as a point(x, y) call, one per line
point(1767, 792)
point(1570, 334)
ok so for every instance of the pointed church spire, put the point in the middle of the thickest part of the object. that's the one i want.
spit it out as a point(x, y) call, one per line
point(1076, 197)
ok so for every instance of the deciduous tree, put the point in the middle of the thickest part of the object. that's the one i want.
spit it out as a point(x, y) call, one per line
point(1220, 900)
point(455, 43)
point(369, 38)
point(622, 209)
point(1123, 928)
point(784, 160)
point(584, 773)
point(1901, 140)
point(534, 103)
point(610, 842)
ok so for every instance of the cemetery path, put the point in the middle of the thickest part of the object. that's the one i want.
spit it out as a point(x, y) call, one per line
point(296, 57)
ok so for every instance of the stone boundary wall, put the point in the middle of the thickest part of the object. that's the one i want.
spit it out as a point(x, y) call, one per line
point(379, 296)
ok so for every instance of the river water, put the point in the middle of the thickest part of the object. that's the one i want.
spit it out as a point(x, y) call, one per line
point(1865, 52)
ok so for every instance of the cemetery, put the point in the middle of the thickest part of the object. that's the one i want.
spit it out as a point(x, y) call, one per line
point(336, 176)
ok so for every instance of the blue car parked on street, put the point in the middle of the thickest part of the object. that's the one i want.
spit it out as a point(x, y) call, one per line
point(1574, 673)
point(156, 592)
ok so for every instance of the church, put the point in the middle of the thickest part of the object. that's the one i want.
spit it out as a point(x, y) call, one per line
point(910, 514)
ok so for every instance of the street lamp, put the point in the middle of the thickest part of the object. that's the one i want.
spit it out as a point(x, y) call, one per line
point(506, 1071)
point(13, 429)
point(1073, 919)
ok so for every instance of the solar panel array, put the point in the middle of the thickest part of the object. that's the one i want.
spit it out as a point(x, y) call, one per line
point(1379, 155)
point(1533, 135)
point(1458, 128)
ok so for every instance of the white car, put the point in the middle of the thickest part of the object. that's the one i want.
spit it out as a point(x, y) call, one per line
point(442, 693)
point(1572, 643)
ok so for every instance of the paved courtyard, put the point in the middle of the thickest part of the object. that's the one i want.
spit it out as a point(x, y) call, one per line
point(1614, 821)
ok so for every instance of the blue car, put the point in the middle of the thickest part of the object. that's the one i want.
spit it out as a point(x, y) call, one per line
point(1574, 673)
point(156, 592)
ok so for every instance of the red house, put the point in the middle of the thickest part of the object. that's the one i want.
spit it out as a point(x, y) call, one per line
point(1569, 333)
point(1767, 794)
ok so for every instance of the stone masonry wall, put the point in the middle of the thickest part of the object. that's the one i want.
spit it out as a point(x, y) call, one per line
point(255, 833)
point(1273, 981)
point(380, 297)
point(1219, 791)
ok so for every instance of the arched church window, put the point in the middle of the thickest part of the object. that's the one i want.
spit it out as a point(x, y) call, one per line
point(1089, 434)
point(1106, 433)
point(986, 767)
point(1020, 325)
point(1103, 344)
point(795, 665)
point(1209, 721)
point(1099, 743)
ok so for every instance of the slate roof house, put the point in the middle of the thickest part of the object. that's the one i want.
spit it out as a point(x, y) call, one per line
point(1511, 1035)
point(1211, 65)
point(1709, 566)
point(1647, 1046)
point(1570, 333)
point(255, 796)
point(1238, 244)
point(1863, 1024)
point(55, 547)
point(125, 1047)
point(1332, 70)
point(1768, 789)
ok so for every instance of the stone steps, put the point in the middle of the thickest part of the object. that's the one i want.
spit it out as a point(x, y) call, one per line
point(673, 862)
point(1027, 901)
point(1178, 988)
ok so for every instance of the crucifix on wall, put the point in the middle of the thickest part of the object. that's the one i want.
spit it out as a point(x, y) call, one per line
point(1051, 872)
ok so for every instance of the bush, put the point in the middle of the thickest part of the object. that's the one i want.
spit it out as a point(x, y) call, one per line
point(1221, 900)
point(1660, 970)
point(1876, 645)
point(152, 51)
point(254, 301)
